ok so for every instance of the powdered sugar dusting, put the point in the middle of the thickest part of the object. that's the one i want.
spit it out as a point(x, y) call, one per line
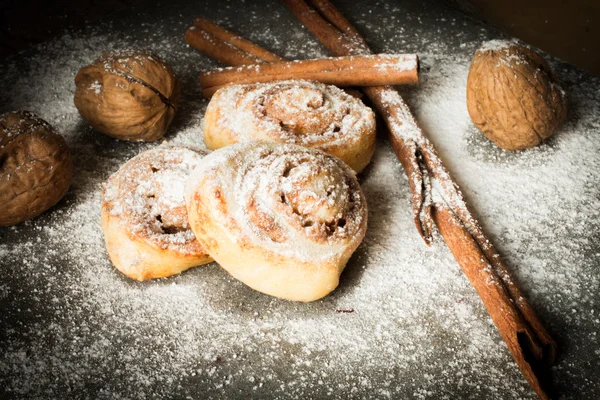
point(73, 327)
point(496, 45)
point(287, 200)
point(401, 63)
point(146, 194)
point(96, 86)
point(300, 112)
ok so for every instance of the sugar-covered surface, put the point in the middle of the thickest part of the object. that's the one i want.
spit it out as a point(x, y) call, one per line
point(73, 327)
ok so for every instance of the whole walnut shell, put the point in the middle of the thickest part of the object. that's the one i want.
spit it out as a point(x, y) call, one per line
point(129, 95)
point(35, 167)
point(513, 96)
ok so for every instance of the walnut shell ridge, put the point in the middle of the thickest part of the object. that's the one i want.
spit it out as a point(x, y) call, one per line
point(35, 167)
point(513, 96)
point(129, 95)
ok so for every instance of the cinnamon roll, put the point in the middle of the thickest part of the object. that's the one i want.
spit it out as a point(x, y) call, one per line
point(281, 218)
point(144, 216)
point(306, 113)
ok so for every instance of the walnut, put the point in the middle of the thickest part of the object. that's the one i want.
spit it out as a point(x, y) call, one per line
point(129, 95)
point(513, 96)
point(35, 167)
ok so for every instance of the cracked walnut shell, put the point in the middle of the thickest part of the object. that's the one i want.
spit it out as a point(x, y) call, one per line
point(129, 95)
point(513, 96)
point(35, 167)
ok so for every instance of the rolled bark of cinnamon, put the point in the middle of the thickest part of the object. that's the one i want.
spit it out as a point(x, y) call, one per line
point(260, 53)
point(364, 70)
point(437, 200)
point(218, 49)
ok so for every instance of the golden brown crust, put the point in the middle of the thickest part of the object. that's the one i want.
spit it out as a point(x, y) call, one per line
point(144, 215)
point(281, 218)
point(305, 113)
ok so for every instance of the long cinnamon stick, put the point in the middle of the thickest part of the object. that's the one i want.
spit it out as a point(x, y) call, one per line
point(369, 70)
point(237, 41)
point(220, 44)
point(497, 299)
point(438, 200)
point(218, 49)
point(435, 197)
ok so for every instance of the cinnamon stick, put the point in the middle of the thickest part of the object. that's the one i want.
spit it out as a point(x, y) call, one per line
point(369, 70)
point(220, 44)
point(438, 200)
point(499, 303)
point(239, 42)
point(218, 49)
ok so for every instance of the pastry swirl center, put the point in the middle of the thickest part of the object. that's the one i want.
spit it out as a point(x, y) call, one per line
point(166, 201)
point(313, 193)
point(302, 110)
point(301, 193)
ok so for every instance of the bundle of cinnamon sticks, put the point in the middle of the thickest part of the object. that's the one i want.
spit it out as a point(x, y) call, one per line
point(254, 64)
point(436, 199)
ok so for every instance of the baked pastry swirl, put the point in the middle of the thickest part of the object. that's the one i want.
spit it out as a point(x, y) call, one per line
point(282, 219)
point(144, 216)
point(305, 113)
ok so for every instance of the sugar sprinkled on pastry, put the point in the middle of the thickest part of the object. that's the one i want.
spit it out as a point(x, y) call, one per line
point(283, 219)
point(144, 217)
point(305, 113)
